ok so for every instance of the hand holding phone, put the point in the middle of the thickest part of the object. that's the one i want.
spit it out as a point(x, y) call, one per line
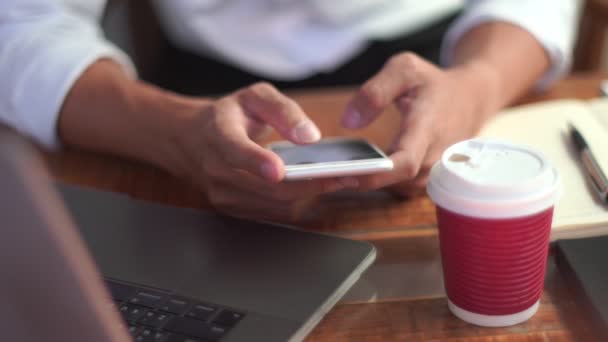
point(335, 157)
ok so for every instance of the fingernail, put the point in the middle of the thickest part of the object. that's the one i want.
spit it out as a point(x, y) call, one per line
point(352, 119)
point(349, 182)
point(268, 171)
point(306, 132)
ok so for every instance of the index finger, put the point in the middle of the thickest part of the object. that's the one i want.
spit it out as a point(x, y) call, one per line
point(233, 146)
point(399, 75)
point(267, 104)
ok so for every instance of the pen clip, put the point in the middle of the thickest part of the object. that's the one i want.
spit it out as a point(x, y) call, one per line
point(594, 173)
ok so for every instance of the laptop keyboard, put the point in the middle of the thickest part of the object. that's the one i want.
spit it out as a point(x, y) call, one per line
point(159, 316)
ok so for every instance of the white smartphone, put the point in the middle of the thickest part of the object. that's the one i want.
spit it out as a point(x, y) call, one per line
point(332, 157)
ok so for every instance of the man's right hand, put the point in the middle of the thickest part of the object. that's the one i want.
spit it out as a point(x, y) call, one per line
point(240, 177)
point(211, 143)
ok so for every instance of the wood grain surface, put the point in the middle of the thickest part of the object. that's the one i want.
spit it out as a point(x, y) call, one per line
point(403, 230)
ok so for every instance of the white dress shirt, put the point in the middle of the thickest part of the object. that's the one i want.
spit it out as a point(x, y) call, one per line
point(45, 45)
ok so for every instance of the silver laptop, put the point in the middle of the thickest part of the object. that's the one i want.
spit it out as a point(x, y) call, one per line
point(85, 265)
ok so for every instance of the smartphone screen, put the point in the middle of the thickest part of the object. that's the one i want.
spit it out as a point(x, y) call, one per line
point(331, 158)
point(326, 151)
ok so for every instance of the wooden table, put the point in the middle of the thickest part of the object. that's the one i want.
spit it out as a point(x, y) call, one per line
point(401, 297)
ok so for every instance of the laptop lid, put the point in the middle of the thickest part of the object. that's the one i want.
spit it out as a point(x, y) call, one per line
point(50, 288)
point(283, 278)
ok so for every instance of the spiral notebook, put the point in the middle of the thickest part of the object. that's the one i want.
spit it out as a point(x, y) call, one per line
point(544, 126)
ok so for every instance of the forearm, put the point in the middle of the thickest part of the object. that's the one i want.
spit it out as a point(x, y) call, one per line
point(106, 111)
point(506, 58)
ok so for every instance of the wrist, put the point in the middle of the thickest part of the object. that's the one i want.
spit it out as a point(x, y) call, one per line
point(106, 111)
point(166, 117)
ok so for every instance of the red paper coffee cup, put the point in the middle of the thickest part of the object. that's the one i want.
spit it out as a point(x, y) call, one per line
point(494, 205)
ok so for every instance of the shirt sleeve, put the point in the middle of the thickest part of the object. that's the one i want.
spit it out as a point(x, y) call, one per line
point(45, 48)
point(553, 23)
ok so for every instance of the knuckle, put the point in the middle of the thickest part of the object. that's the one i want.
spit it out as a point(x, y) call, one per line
point(216, 115)
point(262, 88)
point(209, 114)
point(221, 106)
point(406, 63)
point(371, 93)
point(214, 124)
point(405, 60)
point(409, 171)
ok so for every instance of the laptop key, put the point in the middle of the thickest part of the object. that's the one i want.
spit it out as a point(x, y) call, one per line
point(216, 332)
point(201, 311)
point(147, 298)
point(155, 319)
point(143, 334)
point(120, 292)
point(149, 335)
point(190, 327)
point(228, 318)
point(175, 305)
point(133, 329)
point(181, 338)
point(131, 312)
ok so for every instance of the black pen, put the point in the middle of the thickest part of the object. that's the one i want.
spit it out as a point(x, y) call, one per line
point(594, 172)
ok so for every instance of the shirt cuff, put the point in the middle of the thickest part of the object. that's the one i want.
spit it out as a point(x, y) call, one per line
point(50, 81)
point(553, 33)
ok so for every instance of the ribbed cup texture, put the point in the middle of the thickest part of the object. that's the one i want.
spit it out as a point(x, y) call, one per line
point(494, 266)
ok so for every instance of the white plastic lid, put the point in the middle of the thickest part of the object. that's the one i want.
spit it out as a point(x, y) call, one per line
point(493, 179)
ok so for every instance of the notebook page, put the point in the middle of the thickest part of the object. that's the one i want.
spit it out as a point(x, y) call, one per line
point(599, 107)
point(544, 127)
